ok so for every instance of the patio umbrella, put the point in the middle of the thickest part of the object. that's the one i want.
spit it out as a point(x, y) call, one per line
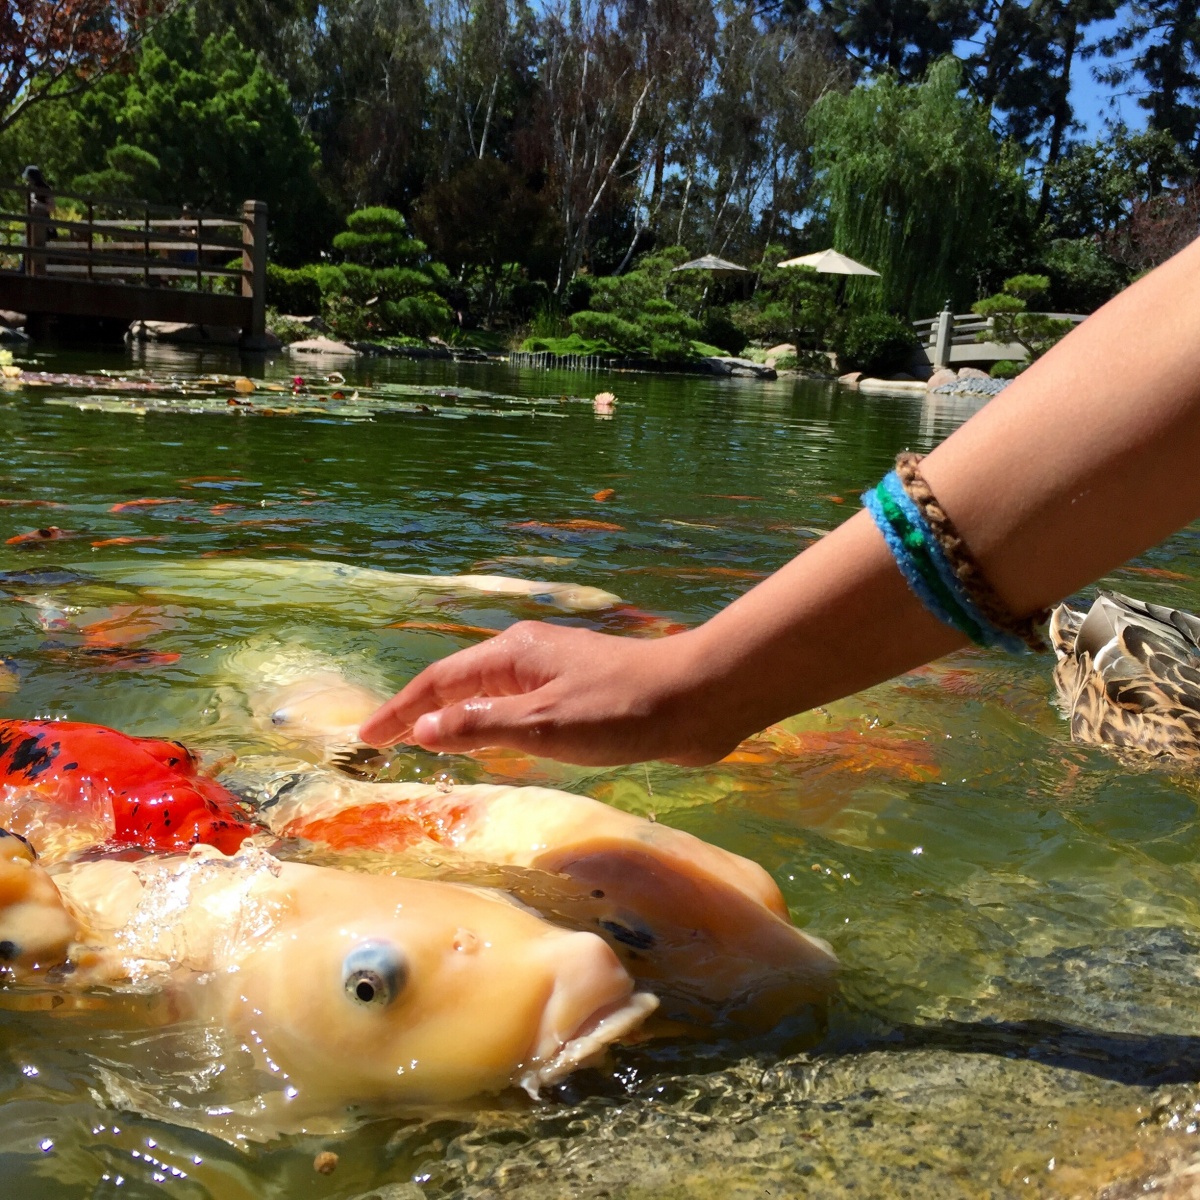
point(717, 267)
point(830, 262)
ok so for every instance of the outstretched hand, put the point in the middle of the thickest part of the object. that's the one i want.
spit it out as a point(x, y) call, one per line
point(563, 693)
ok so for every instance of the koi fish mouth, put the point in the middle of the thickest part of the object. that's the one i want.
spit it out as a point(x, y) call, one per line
point(607, 1024)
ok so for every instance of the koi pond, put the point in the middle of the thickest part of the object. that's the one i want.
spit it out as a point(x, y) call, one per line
point(1017, 917)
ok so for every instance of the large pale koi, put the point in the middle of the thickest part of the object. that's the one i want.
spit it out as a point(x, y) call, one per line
point(701, 926)
point(352, 993)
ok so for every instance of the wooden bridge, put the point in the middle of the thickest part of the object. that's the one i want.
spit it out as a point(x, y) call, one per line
point(954, 339)
point(126, 260)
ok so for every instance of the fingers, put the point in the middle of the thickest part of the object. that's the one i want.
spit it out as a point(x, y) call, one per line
point(473, 724)
point(500, 667)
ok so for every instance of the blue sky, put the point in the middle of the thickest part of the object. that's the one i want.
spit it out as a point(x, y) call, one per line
point(1095, 103)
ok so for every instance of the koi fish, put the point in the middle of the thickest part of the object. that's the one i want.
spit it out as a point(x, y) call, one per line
point(128, 541)
point(350, 991)
point(66, 784)
point(575, 525)
point(480, 632)
point(604, 494)
point(38, 537)
point(707, 930)
point(147, 502)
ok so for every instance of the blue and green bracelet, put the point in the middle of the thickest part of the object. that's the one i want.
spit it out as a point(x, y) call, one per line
point(937, 566)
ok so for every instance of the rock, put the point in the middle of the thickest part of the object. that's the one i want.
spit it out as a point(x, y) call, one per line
point(743, 367)
point(261, 343)
point(314, 322)
point(850, 379)
point(940, 377)
point(894, 387)
point(973, 373)
point(322, 345)
point(12, 336)
point(780, 350)
point(183, 334)
point(902, 377)
point(14, 320)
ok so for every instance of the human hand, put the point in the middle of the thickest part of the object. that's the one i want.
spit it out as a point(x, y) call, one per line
point(566, 693)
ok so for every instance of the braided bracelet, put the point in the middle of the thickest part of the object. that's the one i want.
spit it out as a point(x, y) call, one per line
point(936, 564)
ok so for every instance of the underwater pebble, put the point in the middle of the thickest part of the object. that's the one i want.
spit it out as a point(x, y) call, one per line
point(325, 1163)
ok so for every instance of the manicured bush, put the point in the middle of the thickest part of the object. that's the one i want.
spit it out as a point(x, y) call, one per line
point(1006, 369)
point(875, 343)
point(294, 290)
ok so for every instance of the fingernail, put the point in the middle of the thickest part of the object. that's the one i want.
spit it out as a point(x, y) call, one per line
point(427, 729)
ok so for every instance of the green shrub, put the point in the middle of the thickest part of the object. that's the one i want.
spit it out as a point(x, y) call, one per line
point(875, 343)
point(719, 330)
point(293, 290)
point(1006, 369)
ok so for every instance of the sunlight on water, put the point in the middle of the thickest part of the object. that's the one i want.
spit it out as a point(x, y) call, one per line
point(1016, 916)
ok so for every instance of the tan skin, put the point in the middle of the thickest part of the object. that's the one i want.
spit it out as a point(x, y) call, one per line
point(1087, 459)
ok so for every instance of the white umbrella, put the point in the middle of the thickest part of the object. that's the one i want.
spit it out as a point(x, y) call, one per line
point(713, 264)
point(830, 262)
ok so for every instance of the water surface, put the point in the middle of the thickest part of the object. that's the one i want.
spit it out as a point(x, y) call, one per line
point(1017, 916)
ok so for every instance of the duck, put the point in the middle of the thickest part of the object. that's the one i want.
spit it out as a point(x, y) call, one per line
point(1128, 675)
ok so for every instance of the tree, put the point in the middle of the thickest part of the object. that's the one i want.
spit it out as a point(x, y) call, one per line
point(1011, 320)
point(1160, 42)
point(58, 48)
point(197, 121)
point(911, 174)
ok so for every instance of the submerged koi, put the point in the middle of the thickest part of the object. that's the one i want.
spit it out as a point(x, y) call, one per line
point(575, 525)
point(67, 784)
point(146, 502)
point(470, 631)
point(128, 541)
point(37, 537)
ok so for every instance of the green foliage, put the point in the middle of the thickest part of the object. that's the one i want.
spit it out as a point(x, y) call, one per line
point(789, 302)
point(911, 175)
point(631, 313)
point(196, 121)
point(1006, 369)
point(1082, 277)
point(719, 329)
point(377, 237)
point(1012, 322)
point(875, 343)
point(572, 344)
point(386, 288)
point(294, 290)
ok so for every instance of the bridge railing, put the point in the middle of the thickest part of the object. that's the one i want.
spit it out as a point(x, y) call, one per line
point(938, 334)
point(132, 243)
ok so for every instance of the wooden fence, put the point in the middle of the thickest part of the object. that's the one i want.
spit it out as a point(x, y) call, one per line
point(127, 259)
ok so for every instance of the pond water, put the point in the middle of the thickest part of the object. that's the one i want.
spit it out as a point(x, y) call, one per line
point(1017, 917)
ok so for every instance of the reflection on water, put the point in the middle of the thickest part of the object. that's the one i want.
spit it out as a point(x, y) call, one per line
point(1017, 917)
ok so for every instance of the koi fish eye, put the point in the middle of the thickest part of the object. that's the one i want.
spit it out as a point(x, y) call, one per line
point(374, 974)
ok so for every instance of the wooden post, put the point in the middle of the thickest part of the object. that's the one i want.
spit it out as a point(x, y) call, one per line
point(944, 338)
point(35, 233)
point(254, 265)
point(91, 218)
point(200, 252)
point(146, 249)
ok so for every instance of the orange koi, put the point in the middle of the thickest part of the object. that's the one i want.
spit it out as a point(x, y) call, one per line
point(575, 525)
point(604, 494)
point(36, 537)
point(31, 504)
point(130, 790)
point(220, 509)
point(629, 617)
point(833, 499)
point(721, 496)
point(1157, 573)
point(128, 541)
point(146, 502)
point(852, 750)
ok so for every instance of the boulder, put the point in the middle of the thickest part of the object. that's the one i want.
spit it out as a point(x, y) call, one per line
point(12, 336)
point(184, 334)
point(940, 377)
point(14, 320)
point(850, 379)
point(322, 345)
point(314, 322)
point(780, 350)
point(973, 373)
point(743, 367)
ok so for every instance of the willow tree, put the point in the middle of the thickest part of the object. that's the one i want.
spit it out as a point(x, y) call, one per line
point(912, 176)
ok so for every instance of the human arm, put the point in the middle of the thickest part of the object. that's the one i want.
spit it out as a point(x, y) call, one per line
point(1085, 460)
